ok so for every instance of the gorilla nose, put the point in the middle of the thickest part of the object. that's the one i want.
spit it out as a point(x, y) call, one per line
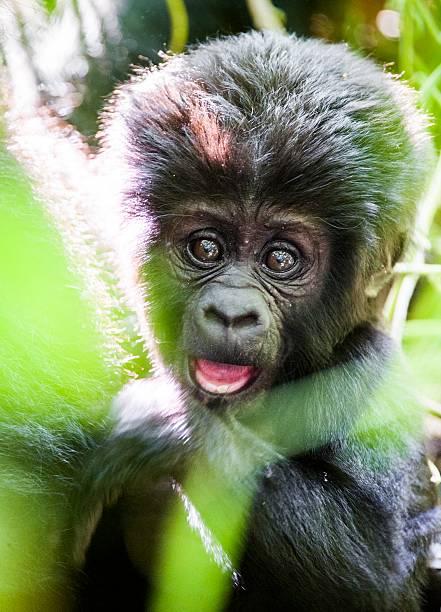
point(241, 313)
point(230, 317)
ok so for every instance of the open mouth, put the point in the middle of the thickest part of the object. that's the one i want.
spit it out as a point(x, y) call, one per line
point(223, 378)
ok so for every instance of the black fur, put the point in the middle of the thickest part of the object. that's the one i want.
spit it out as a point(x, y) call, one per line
point(231, 135)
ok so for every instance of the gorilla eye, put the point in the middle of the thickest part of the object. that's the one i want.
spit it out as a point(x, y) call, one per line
point(281, 260)
point(205, 250)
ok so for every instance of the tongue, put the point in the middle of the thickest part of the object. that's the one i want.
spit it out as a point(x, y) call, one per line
point(221, 378)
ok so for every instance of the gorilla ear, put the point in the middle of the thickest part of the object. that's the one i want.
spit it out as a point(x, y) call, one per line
point(83, 532)
point(379, 279)
point(383, 276)
point(87, 522)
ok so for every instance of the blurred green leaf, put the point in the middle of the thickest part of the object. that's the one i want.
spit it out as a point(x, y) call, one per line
point(52, 352)
point(202, 540)
point(50, 5)
point(55, 386)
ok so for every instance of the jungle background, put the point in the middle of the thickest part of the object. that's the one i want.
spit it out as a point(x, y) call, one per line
point(68, 55)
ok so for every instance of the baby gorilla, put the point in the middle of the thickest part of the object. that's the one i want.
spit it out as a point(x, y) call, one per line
point(267, 186)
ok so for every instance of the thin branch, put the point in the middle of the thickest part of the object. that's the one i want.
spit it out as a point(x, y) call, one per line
point(419, 269)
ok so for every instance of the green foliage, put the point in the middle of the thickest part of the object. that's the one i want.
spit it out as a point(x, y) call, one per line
point(55, 386)
point(420, 52)
point(420, 59)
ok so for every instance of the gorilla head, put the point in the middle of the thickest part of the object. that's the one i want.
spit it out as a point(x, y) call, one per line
point(277, 178)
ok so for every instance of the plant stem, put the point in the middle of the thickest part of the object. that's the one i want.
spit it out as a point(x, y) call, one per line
point(403, 288)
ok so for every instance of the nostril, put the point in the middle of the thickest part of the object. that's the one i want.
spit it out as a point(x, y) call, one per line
point(244, 321)
point(213, 315)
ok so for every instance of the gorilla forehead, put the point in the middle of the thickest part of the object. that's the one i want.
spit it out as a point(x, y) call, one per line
point(265, 118)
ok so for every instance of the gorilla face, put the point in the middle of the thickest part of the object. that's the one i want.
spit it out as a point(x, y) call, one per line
point(227, 285)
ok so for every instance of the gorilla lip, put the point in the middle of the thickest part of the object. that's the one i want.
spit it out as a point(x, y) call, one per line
point(222, 378)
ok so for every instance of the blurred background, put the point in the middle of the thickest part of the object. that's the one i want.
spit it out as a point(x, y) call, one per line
point(58, 372)
point(78, 50)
